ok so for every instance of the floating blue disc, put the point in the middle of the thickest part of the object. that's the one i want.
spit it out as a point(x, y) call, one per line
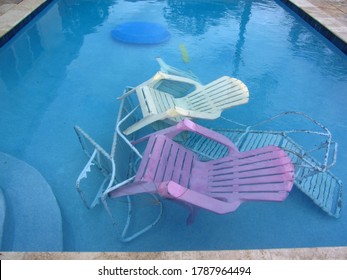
point(140, 33)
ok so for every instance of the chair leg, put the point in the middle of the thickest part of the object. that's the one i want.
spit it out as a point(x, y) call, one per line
point(134, 188)
point(144, 122)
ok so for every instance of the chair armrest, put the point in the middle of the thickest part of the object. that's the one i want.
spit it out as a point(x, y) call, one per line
point(154, 80)
point(163, 76)
point(198, 115)
point(147, 120)
point(126, 94)
point(164, 67)
point(172, 190)
point(188, 125)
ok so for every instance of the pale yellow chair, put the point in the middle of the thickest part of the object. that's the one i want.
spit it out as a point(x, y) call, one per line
point(203, 102)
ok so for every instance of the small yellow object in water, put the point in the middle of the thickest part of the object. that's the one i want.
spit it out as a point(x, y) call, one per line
point(184, 53)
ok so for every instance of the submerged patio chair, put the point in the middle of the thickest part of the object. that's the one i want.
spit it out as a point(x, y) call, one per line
point(308, 143)
point(160, 103)
point(175, 172)
point(312, 162)
point(104, 170)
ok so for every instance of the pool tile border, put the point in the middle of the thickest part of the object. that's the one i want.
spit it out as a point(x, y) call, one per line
point(328, 253)
point(18, 16)
point(324, 23)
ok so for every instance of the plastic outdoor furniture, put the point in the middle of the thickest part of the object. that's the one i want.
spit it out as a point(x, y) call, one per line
point(172, 171)
point(115, 171)
point(311, 149)
point(204, 101)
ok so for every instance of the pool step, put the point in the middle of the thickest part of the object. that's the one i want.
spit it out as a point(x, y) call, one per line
point(36, 223)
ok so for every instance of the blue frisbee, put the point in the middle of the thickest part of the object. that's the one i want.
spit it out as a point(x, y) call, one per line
point(140, 33)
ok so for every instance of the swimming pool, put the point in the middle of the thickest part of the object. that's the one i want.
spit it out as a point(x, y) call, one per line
point(64, 68)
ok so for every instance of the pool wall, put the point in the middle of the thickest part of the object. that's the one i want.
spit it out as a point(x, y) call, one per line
point(15, 19)
point(306, 11)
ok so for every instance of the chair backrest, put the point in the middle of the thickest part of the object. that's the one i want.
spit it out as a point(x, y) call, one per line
point(165, 160)
point(220, 94)
point(153, 101)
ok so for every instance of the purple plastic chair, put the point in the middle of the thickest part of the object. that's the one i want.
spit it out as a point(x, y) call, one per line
point(221, 185)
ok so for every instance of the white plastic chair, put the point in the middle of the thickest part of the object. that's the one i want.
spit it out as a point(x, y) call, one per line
point(204, 102)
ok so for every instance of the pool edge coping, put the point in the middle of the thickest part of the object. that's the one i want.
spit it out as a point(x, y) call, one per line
point(307, 13)
point(322, 253)
point(18, 17)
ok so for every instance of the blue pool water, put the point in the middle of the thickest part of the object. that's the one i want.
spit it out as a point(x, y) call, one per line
point(64, 68)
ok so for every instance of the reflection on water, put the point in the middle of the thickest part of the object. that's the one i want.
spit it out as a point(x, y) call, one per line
point(246, 15)
point(195, 17)
point(301, 41)
point(33, 64)
point(68, 23)
point(82, 17)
